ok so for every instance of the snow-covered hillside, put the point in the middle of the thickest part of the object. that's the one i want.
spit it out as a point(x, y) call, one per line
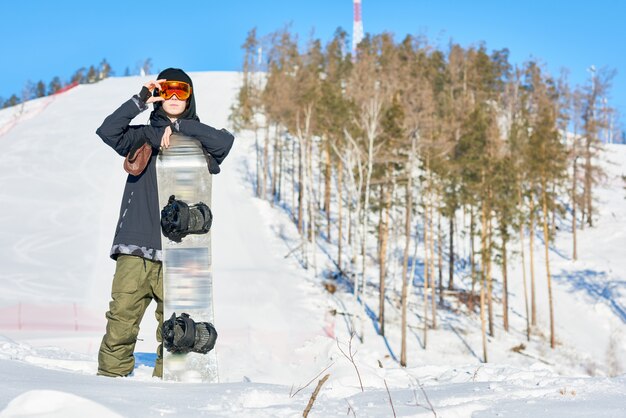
point(60, 189)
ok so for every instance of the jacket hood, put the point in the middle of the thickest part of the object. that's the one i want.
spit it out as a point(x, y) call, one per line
point(158, 117)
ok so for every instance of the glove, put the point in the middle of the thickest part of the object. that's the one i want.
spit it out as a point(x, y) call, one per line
point(144, 94)
point(212, 165)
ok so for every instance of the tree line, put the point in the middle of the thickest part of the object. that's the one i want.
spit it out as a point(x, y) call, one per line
point(83, 75)
point(405, 153)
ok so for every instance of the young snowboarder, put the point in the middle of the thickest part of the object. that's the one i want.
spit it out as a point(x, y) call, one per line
point(136, 246)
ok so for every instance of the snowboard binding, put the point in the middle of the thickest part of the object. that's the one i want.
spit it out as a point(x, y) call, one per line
point(178, 219)
point(182, 334)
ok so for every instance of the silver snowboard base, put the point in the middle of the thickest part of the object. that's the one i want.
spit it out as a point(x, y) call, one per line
point(187, 276)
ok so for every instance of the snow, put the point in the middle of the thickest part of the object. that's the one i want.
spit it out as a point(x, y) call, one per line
point(60, 187)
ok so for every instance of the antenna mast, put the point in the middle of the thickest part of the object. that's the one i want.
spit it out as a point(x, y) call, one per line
point(357, 27)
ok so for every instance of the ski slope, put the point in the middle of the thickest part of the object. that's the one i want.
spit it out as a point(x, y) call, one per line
point(61, 186)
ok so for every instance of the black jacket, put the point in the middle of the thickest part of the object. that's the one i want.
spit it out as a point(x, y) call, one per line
point(139, 221)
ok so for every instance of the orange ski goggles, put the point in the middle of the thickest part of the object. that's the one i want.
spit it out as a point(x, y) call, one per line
point(181, 89)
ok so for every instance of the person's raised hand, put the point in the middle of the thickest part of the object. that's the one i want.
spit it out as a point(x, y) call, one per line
point(151, 85)
point(165, 139)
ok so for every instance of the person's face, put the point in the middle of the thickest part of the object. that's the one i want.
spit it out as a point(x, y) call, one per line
point(173, 106)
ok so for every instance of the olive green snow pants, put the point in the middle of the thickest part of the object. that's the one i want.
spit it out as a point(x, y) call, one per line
point(136, 282)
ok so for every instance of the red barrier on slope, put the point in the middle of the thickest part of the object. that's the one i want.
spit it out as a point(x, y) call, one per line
point(65, 317)
point(66, 88)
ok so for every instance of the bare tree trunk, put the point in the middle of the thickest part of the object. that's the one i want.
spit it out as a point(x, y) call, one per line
point(274, 181)
point(321, 180)
point(520, 203)
point(574, 246)
point(553, 217)
point(339, 214)
point(313, 227)
point(405, 265)
point(583, 213)
point(588, 183)
point(305, 180)
point(302, 206)
point(405, 262)
point(265, 164)
point(366, 205)
point(533, 304)
point(350, 234)
point(433, 296)
point(451, 254)
point(427, 256)
point(472, 259)
point(352, 161)
point(293, 181)
point(301, 152)
point(440, 252)
point(546, 237)
point(483, 275)
point(489, 275)
point(395, 233)
point(257, 147)
point(380, 220)
point(521, 234)
point(505, 290)
point(327, 189)
point(281, 169)
point(309, 185)
point(274, 165)
point(384, 237)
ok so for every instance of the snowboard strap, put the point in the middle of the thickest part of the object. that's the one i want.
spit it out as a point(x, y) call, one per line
point(179, 333)
point(206, 335)
point(182, 335)
point(178, 219)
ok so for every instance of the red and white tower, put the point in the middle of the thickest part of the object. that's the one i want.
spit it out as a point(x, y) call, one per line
point(357, 27)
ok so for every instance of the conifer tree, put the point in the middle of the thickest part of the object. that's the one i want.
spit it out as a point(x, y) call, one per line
point(105, 70)
point(78, 76)
point(40, 90)
point(593, 123)
point(11, 101)
point(244, 113)
point(334, 115)
point(92, 75)
point(575, 156)
point(54, 86)
point(548, 160)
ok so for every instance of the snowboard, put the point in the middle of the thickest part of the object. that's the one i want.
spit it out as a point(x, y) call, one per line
point(187, 276)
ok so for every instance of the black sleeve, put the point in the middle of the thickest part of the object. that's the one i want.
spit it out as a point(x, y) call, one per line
point(116, 132)
point(216, 142)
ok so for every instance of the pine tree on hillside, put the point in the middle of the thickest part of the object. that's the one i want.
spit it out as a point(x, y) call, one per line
point(576, 154)
point(104, 70)
point(54, 86)
point(92, 75)
point(248, 105)
point(334, 114)
point(12, 101)
point(593, 124)
point(40, 89)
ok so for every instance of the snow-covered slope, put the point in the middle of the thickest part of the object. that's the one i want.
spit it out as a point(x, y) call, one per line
point(60, 189)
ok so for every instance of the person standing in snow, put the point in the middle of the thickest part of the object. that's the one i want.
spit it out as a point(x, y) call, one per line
point(136, 246)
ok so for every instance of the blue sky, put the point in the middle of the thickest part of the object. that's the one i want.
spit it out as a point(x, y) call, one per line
point(42, 39)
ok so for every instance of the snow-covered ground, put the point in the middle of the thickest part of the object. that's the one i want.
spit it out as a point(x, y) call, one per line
point(60, 189)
